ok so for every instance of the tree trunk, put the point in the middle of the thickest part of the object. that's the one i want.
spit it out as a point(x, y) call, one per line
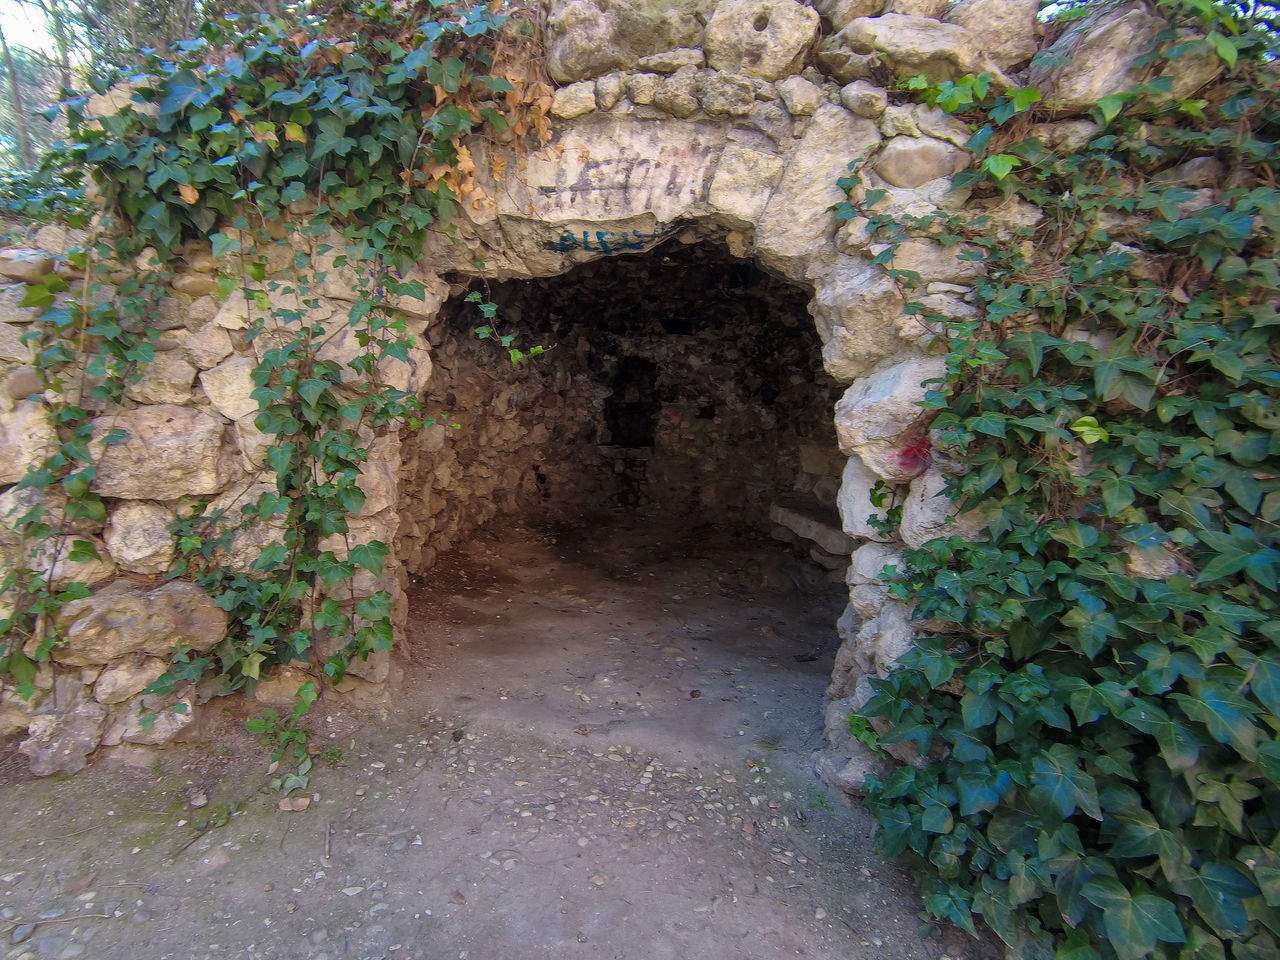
point(19, 109)
point(61, 40)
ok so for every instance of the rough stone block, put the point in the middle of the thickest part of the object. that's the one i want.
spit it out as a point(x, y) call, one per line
point(875, 412)
point(760, 38)
point(797, 220)
point(125, 618)
point(138, 537)
point(166, 452)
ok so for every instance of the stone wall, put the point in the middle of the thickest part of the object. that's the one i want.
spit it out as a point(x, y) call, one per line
point(679, 118)
point(680, 382)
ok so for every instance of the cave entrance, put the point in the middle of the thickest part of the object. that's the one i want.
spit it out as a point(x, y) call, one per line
point(668, 463)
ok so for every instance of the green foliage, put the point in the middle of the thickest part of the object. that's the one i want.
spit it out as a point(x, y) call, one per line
point(41, 195)
point(1100, 701)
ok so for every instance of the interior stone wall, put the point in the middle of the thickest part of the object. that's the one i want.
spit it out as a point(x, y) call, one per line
point(679, 119)
point(682, 382)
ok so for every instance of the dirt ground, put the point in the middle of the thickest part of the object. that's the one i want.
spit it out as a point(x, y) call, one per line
point(600, 747)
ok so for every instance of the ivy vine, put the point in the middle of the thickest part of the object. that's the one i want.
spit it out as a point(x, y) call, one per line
point(1097, 710)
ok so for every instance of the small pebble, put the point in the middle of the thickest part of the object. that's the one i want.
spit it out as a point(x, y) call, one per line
point(22, 933)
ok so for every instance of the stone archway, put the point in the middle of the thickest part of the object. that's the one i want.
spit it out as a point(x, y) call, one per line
point(677, 121)
point(622, 177)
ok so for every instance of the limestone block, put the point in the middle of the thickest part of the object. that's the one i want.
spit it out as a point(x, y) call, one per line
point(843, 64)
point(1006, 218)
point(575, 100)
point(669, 61)
point(411, 374)
point(724, 95)
point(1066, 136)
point(877, 409)
point(166, 379)
point(167, 723)
point(125, 618)
point(64, 730)
point(933, 9)
point(936, 263)
point(587, 38)
point(913, 161)
point(25, 264)
point(195, 284)
point(896, 121)
point(207, 346)
point(760, 38)
point(1157, 562)
point(809, 522)
point(865, 99)
point(127, 678)
point(892, 634)
point(1095, 58)
point(849, 775)
point(678, 94)
point(868, 592)
point(379, 478)
point(25, 438)
point(612, 173)
point(927, 513)
point(854, 501)
point(855, 306)
point(280, 687)
point(797, 220)
point(235, 312)
point(608, 91)
point(246, 545)
point(138, 537)
point(20, 383)
point(911, 45)
point(937, 123)
point(254, 444)
point(229, 387)
point(838, 13)
point(199, 312)
point(166, 452)
point(800, 96)
point(10, 311)
point(11, 345)
point(1007, 29)
point(52, 558)
point(743, 182)
point(59, 240)
point(339, 279)
point(1191, 71)
point(642, 88)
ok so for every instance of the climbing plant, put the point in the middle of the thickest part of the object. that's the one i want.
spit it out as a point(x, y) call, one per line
point(265, 142)
point(1096, 707)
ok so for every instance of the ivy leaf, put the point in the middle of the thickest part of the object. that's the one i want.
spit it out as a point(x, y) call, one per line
point(1179, 747)
point(83, 551)
point(1218, 891)
point(184, 87)
point(370, 555)
point(272, 556)
point(1058, 781)
point(1224, 48)
point(1226, 714)
point(1000, 165)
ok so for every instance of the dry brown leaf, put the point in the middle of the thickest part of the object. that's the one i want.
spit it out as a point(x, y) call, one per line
point(188, 193)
